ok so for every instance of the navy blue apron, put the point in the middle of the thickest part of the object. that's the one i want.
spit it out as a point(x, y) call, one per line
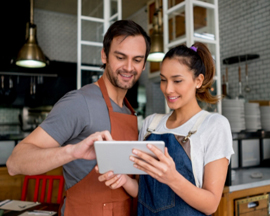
point(159, 199)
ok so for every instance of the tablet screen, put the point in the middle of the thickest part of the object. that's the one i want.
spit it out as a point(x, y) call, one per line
point(114, 155)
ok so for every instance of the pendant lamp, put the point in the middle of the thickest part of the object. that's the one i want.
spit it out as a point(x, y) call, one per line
point(156, 52)
point(31, 55)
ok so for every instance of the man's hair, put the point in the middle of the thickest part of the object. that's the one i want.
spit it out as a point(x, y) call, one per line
point(124, 28)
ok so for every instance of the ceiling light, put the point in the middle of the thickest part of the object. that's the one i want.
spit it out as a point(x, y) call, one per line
point(156, 52)
point(31, 55)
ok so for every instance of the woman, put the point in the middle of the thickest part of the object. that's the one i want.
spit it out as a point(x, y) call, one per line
point(188, 179)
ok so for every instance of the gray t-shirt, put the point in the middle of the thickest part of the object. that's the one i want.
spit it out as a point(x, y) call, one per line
point(77, 115)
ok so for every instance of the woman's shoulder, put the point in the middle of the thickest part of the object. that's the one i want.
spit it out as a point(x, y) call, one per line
point(151, 117)
point(216, 117)
point(215, 121)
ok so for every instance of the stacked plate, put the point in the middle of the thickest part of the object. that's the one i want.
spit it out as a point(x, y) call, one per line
point(265, 117)
point(252, 116)
point(233, 110)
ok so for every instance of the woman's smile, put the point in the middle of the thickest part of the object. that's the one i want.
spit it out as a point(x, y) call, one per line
point(172, 99)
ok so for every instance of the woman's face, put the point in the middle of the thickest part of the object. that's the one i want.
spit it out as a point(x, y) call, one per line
point(178, 84)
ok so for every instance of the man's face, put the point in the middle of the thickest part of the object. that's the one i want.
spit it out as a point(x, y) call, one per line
point(125, 61)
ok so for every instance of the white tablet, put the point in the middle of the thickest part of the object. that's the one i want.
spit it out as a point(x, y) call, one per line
point(114, 155)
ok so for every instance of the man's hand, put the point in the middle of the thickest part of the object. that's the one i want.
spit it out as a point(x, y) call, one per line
point(85, 148)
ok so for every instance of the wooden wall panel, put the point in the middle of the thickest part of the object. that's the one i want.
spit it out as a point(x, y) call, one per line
point(11, 186)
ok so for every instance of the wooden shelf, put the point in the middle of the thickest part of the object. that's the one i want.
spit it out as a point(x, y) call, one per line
point(260, 134)
point(240, 58)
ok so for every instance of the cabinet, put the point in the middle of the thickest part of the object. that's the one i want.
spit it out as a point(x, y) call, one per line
point(251, 206)
point(250, 198)
point(239, 137)
point(230, 199)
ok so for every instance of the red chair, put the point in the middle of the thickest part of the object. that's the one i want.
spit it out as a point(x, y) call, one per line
point(44, 179)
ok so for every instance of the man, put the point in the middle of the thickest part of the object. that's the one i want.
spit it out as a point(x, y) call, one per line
point(63, 138)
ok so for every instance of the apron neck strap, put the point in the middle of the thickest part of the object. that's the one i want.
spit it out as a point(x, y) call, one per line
point(157, 118)
point(199, 121)
point(155, 122)
point(129, 106)
point(104, 92)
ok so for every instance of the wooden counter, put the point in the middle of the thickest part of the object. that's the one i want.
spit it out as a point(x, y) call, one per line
point(227, 203)
point(11, 186)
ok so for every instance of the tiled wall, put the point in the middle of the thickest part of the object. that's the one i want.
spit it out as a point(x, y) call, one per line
point(245, 29)
point(57, 36)
point(9, 116)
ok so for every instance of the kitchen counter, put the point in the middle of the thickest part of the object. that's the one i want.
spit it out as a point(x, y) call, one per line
point(243, 178)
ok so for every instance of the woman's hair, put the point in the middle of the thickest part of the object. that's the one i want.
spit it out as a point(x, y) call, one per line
point(199, 60)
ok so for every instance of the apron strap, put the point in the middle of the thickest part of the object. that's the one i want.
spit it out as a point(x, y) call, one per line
point(104, 91)
point(153, 125)
point(129, 106)
point(194, 130)
point(106, 97)
point(200, 121)
point(157, 118)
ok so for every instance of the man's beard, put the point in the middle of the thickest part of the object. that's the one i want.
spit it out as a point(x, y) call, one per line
point(113, 77)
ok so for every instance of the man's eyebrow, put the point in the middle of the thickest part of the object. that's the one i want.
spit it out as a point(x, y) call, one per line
point(140, 56)
point(120, 53)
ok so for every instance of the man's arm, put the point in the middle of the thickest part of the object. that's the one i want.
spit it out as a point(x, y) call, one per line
point(39, 152)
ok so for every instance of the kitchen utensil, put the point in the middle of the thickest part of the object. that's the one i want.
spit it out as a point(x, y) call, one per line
point(240, 96)
point(32, 99)
point(23, 206)
point(2, 90)
point(247, 88)
point(10, 93)
point(224, 92)
point(227, 83)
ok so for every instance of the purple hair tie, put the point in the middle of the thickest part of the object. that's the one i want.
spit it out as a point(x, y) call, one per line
point(194, 48)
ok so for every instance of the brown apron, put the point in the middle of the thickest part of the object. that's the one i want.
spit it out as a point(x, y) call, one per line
point(92, 197)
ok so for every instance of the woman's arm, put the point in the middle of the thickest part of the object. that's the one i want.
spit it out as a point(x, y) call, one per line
point(205, 199)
